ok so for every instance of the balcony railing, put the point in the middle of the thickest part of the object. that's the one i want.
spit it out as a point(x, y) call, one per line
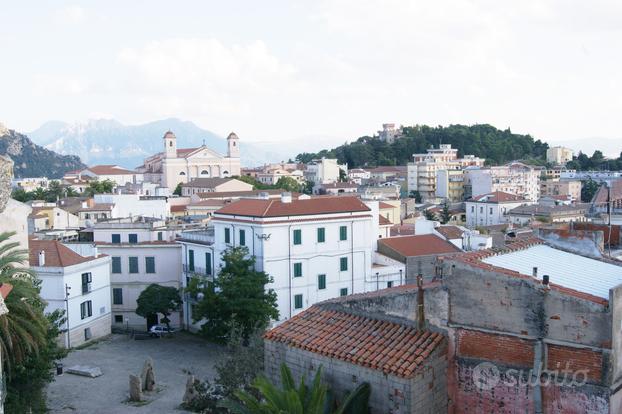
point(196, 270)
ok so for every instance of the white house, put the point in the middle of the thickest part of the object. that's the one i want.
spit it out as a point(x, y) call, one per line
point(129, 205)
point(314, 248)
point(142, 252)
point(514, 178)
point(114, 173)
point(491, 209)
point(324, 171)
point(77, 283)
point(358, 175)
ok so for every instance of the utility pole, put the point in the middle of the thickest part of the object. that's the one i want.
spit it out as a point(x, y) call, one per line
point(609, 214)
point(67, 289)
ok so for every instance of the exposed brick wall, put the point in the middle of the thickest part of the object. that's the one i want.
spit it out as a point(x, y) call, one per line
point(615, 231)
point(574, 359)
point(503, 349)
point(575, 400)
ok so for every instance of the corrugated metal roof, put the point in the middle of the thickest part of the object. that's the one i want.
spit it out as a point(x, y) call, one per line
point(566, 269)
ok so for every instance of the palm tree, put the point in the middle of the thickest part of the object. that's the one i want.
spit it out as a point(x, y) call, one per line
point(23, 330)
point(302, 400)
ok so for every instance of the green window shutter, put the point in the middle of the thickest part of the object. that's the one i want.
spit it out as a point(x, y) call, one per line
point(343, 292)
point(343, 233)
point(133, 264)
point(132, 238)
point(150, 264)
point(116, 238)
point(191, 260)
point(297, 301)
point(321, 235)
point(242, 238)
point(116, 264)
point(208, 263)
point(297, 269)
point(117, 296)
point(343, 264)
point(227, 235)
point(321, 282)
point(298, 236)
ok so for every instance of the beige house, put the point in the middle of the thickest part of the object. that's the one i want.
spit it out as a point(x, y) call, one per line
point(214, 185)
point(570, 188)
point(559, 155)
point(174, 166)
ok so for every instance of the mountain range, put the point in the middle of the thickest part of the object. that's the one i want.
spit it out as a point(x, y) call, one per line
point(107, 141)
point(31, 160)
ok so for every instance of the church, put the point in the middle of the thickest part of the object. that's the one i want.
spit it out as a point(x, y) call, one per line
point(181, 165)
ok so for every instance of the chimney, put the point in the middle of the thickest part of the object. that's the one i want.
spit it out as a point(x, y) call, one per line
point(545, 280)
point(420, 308)
point(42, 258)
point(535, 272)
point(286, 197)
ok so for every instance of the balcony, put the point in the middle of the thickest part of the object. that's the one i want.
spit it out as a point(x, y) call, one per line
point(196, 270)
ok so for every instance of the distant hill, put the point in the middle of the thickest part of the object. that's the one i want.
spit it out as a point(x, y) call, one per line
point(31, 160)
point(107, 141)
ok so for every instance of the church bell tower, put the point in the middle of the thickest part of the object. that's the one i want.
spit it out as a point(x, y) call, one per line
point(170, 145)
point(233, 146)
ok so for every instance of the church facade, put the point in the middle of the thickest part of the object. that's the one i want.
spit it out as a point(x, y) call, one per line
point(181, 165)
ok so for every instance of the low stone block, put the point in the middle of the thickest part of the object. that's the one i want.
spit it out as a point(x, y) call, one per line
point(85, 371)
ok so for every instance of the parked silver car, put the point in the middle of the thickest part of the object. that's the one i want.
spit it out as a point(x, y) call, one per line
point(159, 330)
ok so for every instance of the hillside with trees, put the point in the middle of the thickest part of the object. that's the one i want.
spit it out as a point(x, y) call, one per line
point(497, 146)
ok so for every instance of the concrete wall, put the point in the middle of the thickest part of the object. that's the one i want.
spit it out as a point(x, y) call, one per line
point(424, 393)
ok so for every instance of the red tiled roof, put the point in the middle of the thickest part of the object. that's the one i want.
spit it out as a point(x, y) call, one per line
point(389, 347)
point(450, 232)
point(422, 245)
point(56, 255)
point(109, 170)
point(238, 194)
point(177, 209)
point(383, 221)
point(497, 197)
point(184, 152)
point(383, 169)
point(383, 205)
point(616, 194)
point(276, 208)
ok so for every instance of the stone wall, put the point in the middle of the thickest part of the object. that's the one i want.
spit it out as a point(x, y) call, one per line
point(425, 393)
point(6, 174)
point(100, 327)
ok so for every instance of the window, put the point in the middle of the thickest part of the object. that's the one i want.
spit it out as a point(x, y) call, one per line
point(160, 238)
point(242, 238)
point(321, 235)
point(133, 261)
point(389, 284)
point(86, 309)
point(87, 334)
point(343, 233)
point(132, 238)
point(472, 209)
point(227, 235)
point(490, 210)
point(343, 292)
point(208, 263)
point(191, 260)
point(86, 282)
point(297, 301)
point(182, 173)
point(204, 172)
point(116, 264)
point(117, 297)
point(298, 236)
point(150, 264)
point(297, 269)
point(343, 264)
point(118, 318)
point(116, 238)
point(481, 210)
point(321, 282)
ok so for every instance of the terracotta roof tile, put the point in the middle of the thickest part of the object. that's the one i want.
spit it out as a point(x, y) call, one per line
point(56, 254)
point(389, 347)
point(422, 245)
point(276, 208)
point(109, 170)
point(382, 205)
point(383, 221)
point(497, 197)
point(450, 232)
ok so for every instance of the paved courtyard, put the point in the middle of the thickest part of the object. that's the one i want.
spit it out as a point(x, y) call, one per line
point(120, 356)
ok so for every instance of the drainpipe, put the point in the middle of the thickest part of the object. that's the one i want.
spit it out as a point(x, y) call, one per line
point(289, 266)
point(420, 308)
point(352, 253)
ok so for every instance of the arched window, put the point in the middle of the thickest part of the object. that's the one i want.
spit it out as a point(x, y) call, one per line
point(170, 143)
point(234, 143)
point(225, 173)
point(204, 172)
point(182, 173)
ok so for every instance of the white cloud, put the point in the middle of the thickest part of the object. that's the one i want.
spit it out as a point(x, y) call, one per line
point(71, 15)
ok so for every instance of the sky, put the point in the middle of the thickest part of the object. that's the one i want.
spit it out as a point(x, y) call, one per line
point(317, 71)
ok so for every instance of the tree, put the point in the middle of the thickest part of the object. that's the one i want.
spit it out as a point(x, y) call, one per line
point(158, 299)
point(99, 187)
point(445, 213)
point(288, 184)
point(21, 195)
point(343, 177)
point(304, 399)
point(416, 195)
point(588, 190)
point(307, 187)
point(237, 295)
point(429, 215)
point(177, 190)
point(27, 336)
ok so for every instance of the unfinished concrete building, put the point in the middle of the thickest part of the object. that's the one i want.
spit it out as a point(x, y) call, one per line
point(529, 329)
